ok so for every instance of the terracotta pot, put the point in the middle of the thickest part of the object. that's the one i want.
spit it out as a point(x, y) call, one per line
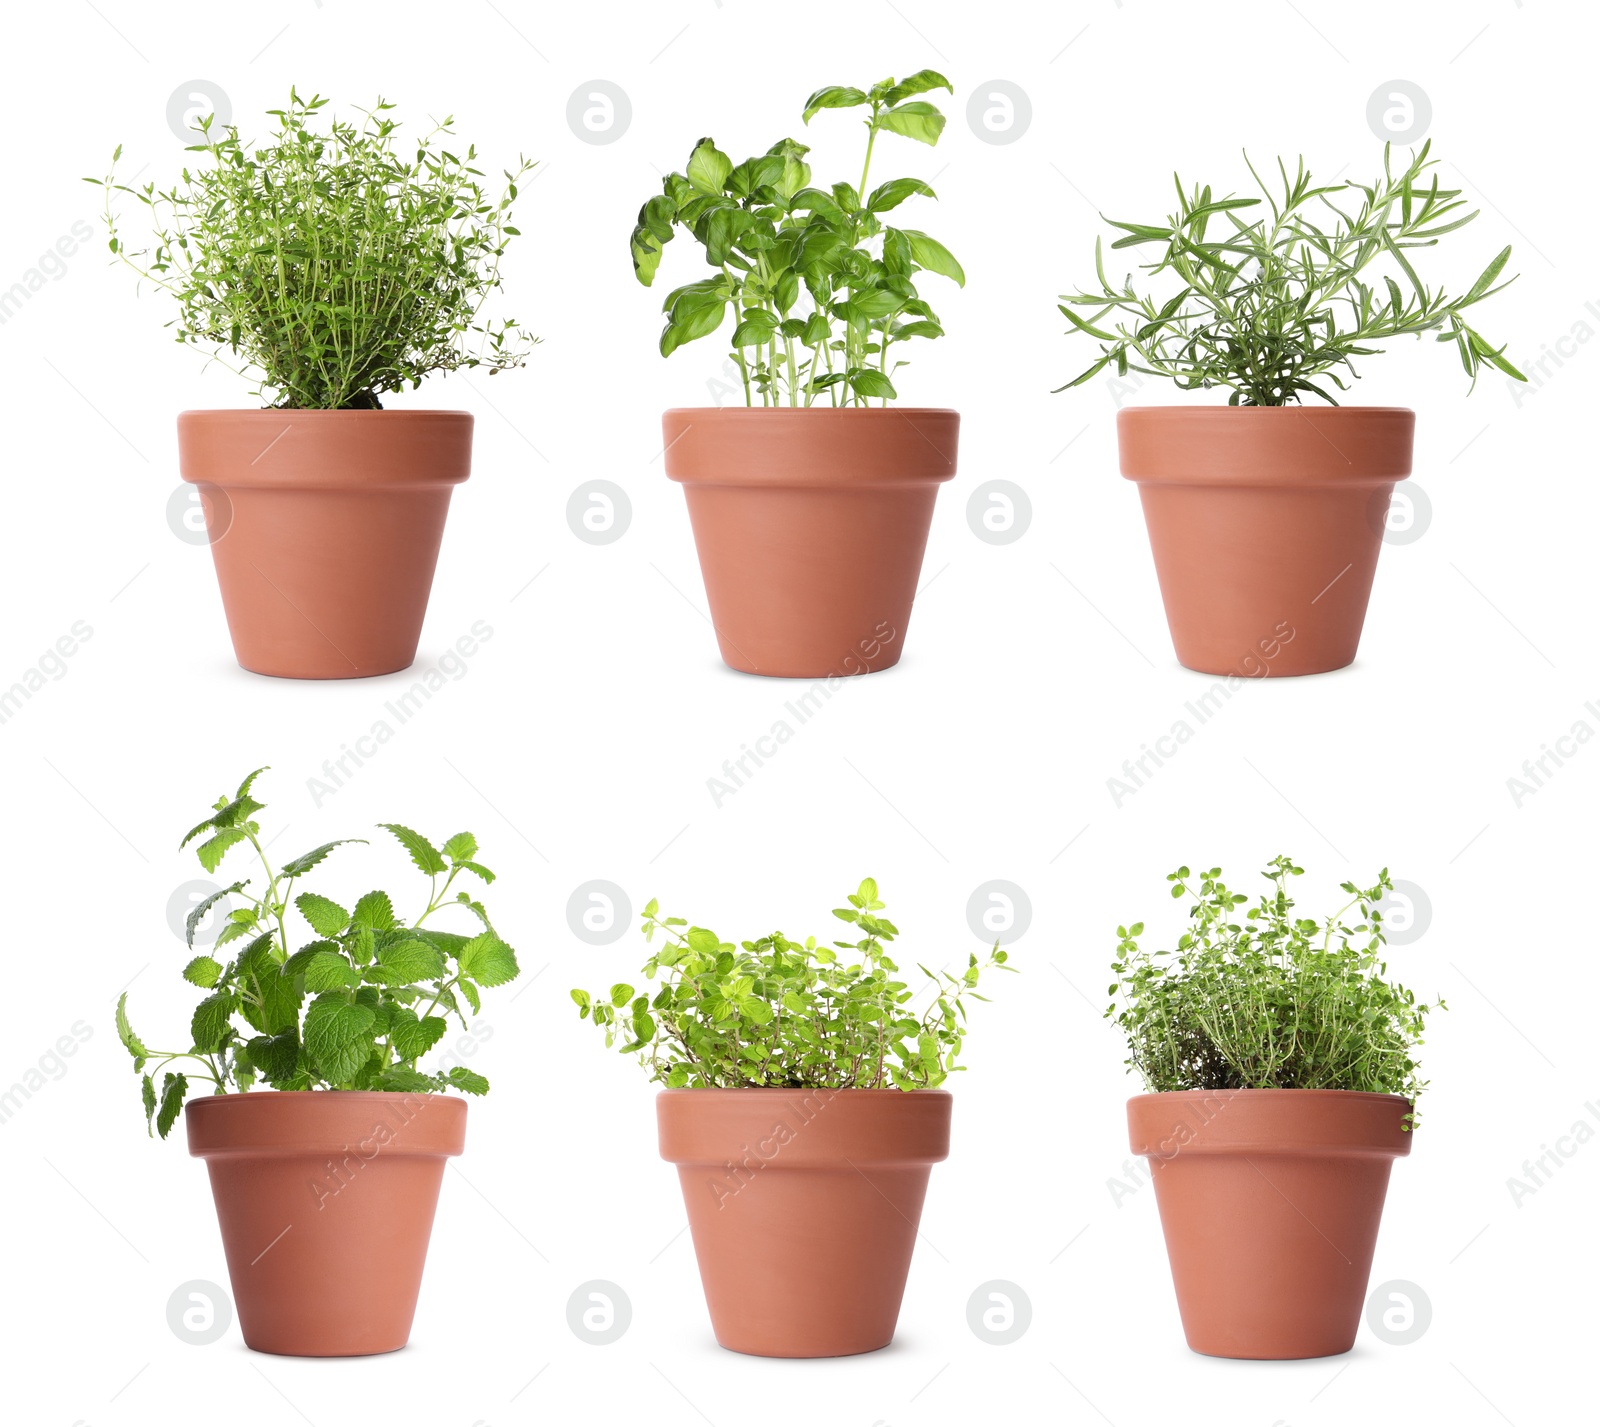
point(1270, 1202)
point(1265, 524)
point(804, 1207)
point(810, 525)
point(325, 1199)
point(325, 528)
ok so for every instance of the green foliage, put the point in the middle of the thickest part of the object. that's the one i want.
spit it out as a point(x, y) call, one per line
point(328, 263)
point(776, 1012)
point(819, 287)
point(1259, 308)
point(353, 1009)
point(1271, 1001)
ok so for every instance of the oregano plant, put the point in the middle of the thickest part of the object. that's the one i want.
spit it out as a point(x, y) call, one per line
point(1266, 999)
point(818, 286)
point(333, 261)
point(1273, 308)
point(302, 994)
point(778, 1013)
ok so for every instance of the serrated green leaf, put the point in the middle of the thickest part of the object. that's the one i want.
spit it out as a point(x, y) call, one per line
point(198, 912)
point(212, 1021)
point(212, 851)
point(135, 1047)
point(326, 918)
point(299, 866)
point(203, 971)
point(173, 1090)
point(375, 911)
point(337, 1036)
point(403, 963)
point(147, 1092)
point(276, 1057)
point(423, 853)
point(411, 1037)
point(468, 1080)
point(402, 1077)
point(461, 847)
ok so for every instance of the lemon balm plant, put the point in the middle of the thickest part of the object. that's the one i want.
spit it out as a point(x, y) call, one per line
point(803, 1107)
point(335, 263)
point(1266, 518)
point(314, 1032)
point(810, 506)
point(1280, 1064)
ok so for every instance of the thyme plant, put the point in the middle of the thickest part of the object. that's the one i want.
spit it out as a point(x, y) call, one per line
point(1268, 1000)
point(329, 262)
point(787, 1014)
point(354, 1008)
point(819, 287)
point(1275, 308)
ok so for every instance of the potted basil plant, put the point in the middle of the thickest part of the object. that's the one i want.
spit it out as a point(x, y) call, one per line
point(810, 505)
point(1280, 1064)
point(325, 1136)
point(1266, 515)
point(336, 264)
point(802, 1103)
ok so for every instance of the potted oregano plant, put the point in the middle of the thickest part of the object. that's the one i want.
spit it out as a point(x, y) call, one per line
point(1280, 1064)
point(810, 505)
point(803, 1106)
point(326, 1134)
point(335, 263)
point(1266, 515)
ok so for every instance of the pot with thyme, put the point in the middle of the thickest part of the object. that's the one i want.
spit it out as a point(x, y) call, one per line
point(335, 268)
point(1266, 515)
point(804, 1107)
point(327, 1132)
point(810, 505)
point(1280, 1064)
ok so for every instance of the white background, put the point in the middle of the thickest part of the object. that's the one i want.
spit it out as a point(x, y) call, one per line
point(579, 741)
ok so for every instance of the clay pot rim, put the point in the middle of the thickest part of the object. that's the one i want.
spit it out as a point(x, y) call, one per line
point(679, 1090)
point(239, 1095)
point(1267, 1092)
point(318, 413)
point(1212, 412)
point(849, 413)
point(436, 1130)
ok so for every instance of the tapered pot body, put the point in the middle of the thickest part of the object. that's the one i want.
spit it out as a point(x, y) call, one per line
point(804, 1207)
point(810, 526)
point(325, 1200)
point(1270, 1202)
point(1265, 524)
point(325, 529)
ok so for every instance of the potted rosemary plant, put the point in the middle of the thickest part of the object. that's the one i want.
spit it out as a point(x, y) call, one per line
point(1266, 515)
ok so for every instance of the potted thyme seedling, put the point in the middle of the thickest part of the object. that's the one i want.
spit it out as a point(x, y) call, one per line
point(1266, 516)
point(1280, 1064)
point(803, 1107)
point(810, 505)
point(326, 1134)
point(335, 264)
